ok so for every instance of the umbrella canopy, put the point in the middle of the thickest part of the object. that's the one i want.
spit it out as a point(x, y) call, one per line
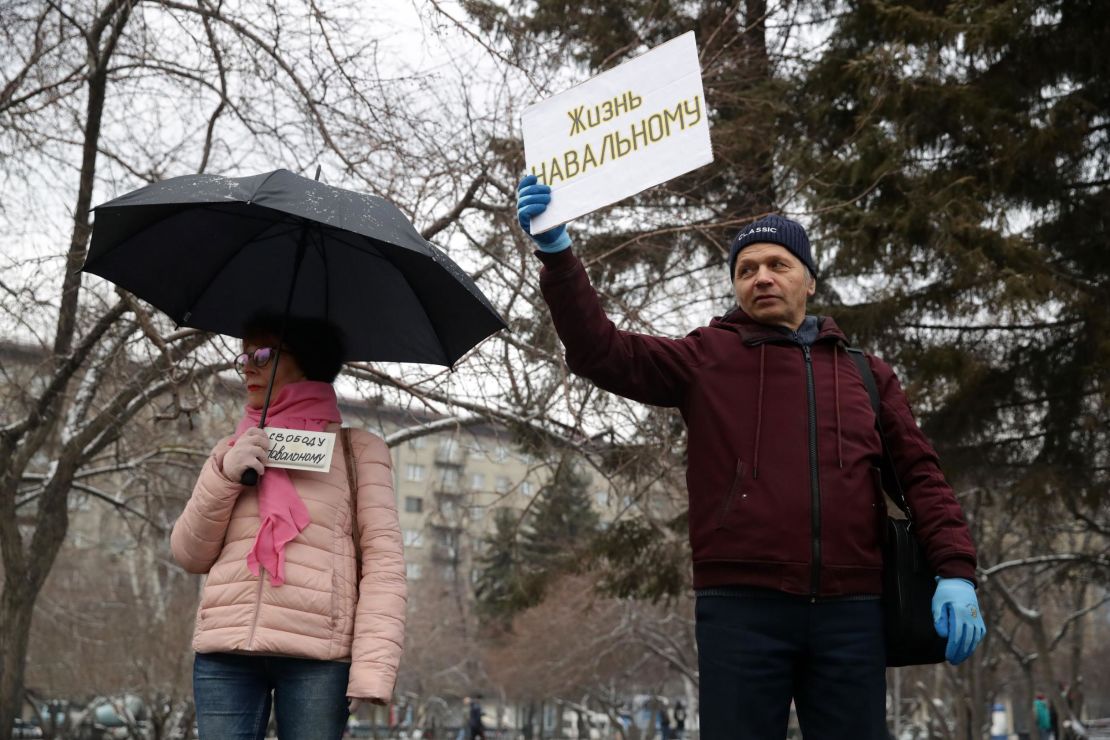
point(212, 251)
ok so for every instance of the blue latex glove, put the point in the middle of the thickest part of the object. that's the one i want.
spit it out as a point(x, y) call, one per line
point(532, 198)
point(956, 615)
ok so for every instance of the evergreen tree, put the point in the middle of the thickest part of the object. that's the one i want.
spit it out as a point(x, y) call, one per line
point(949, 159)
point(518, 561)
point(560, 522)
point(978, 136)
point(503, 588)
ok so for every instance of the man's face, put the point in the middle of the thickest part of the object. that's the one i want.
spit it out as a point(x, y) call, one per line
point(772, 285)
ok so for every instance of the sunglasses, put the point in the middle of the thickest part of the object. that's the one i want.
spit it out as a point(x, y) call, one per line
point(260, 358)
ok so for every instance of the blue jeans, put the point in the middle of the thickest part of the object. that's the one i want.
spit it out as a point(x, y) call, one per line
point(233, 696)
point(757, 652)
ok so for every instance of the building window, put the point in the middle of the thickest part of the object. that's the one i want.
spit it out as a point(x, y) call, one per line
point(526, 488)
point(412, 571)
point(602, 498)
point(474, 449)
point(414, 472)
point(477, 481)
point(450, 478)
point(477, 513)
point(414, 504)
point(417, 443)
point(500, 453)
point(413, 538)
point(503, 484)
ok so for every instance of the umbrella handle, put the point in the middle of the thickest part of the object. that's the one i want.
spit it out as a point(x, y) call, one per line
point(250, 475)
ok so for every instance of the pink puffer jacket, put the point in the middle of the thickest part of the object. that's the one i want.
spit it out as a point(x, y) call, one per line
point(314, 613)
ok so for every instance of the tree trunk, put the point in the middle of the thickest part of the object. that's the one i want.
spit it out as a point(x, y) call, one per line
point(24, 576)
point(977, 701)
point(1027, 710)
point(16, 609)
point(754, 68)
point(763, 196)
point(22, 586)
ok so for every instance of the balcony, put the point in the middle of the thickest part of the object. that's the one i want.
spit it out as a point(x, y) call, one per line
point(446, 517)
point(450, 454)
point(449, 488)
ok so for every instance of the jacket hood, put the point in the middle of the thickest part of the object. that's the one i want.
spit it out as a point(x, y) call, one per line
point(753, 332)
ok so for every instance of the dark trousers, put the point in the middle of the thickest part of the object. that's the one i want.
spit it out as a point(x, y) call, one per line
point(757, 652)
point(233, 697)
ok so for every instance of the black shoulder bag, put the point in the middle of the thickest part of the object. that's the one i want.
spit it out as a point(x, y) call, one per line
point(908, 580)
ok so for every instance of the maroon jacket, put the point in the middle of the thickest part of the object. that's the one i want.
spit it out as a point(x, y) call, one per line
point(783, 487)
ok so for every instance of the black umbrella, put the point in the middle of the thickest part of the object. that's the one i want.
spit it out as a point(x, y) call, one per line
point(212, 251)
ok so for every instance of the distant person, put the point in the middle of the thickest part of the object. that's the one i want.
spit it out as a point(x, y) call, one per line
point(283, 620)
point(784, 506)
point(582, 725)
point(475, 727)
point(679, 720)
point(1044, 718)
point(664, 721)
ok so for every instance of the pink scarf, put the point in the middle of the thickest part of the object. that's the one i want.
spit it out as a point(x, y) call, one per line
point(306, 404)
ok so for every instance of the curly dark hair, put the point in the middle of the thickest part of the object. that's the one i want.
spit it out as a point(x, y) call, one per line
point(317, 344)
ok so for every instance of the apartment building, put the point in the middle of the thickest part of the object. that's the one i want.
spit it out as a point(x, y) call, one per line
point(450, 483)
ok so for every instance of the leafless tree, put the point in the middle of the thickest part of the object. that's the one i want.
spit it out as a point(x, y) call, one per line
point(98, 98)
point(1042, 590)
point(593, 653)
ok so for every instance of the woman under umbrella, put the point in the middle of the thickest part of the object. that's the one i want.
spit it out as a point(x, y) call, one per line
point(284, 619)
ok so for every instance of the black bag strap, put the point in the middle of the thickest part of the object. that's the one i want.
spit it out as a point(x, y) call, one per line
point(891, 485)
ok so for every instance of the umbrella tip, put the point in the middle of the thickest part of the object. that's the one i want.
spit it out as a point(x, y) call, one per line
point(319, 169)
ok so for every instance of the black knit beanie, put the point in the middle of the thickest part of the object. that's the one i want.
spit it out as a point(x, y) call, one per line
point(776, 230)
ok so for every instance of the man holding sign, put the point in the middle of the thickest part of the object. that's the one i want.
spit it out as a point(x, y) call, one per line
point(784, 517)
point(784, 500)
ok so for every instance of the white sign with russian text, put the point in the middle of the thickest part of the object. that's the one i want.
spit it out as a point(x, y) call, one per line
point(626, 130)
point(298, 449)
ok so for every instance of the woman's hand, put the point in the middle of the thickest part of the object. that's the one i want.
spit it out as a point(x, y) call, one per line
point(248, 453)
point(353, 704)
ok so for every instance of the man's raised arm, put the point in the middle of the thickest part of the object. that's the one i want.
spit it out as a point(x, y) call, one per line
point(649, 369)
